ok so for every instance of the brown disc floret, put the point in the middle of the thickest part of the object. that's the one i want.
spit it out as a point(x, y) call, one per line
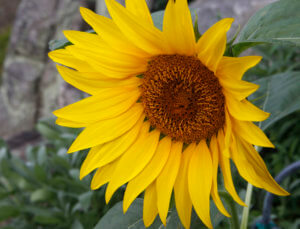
point(182, 98)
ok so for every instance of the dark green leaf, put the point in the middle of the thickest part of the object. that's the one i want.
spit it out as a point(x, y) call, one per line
point(115, 219)
point(277, 22)
point(8, 211)
point(4, 194)
point(47, 219)
point(279, 94)
point(133, 219)
point(40, 173)
point(173, 220)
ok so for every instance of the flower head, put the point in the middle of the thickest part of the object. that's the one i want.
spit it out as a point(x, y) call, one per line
point(165, 110)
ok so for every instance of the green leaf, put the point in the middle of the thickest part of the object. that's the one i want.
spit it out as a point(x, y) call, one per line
point(238, 48)
point(4, 194)
point(115, 219)
point(48, 131)
point(8, 211)
point(77, 225)
point(173, 220)
point(58, 44)
point(279, 94)
point(47, 219)
point(3, 149)
point(157, 18)
point(276, 23)
point(40, 173)
point(133, 219)
point(85, 200)
point(40, 195)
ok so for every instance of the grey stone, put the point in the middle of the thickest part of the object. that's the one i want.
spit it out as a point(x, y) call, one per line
point(30, 86)
point(211, 11)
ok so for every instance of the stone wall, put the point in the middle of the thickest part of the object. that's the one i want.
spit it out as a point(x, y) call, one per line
point(210, 11)
point(30, 87)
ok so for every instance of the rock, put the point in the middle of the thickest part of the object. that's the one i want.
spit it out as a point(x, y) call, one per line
point(7, 12)
point(210, 11)
point(30, 86)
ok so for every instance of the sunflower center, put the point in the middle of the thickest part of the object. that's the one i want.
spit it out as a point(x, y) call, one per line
point(182, 98)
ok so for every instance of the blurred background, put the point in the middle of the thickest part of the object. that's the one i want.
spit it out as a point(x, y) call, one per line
point(39, 184)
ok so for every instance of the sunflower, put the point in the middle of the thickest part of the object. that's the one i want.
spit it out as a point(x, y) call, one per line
point(165, 111)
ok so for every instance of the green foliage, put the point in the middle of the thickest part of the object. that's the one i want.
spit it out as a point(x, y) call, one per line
point(45, 191)
point(276, 23)
point(279, 94)
point(115, 219)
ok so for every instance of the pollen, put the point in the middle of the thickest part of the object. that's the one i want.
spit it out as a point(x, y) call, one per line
point(182, 98)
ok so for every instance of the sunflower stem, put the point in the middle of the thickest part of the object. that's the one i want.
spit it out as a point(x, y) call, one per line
point(234, 220)
point(244, 222)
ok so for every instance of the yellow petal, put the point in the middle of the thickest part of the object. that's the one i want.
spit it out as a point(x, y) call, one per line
point(149, 174)
point(92, 83)
point(178, 28)
point(68, 123)
point(166, 179)
point(150, 208)
point(182, 197)
point(64, 57)
point(140, 9)
point(239, 89)
point(105, 82)
point(244, 168)
point(108, 57)
point(98, 107)
point(200, 181)
point(147, 38)
point(260, 168)
point(85, 40)
point(244, 110)
point(251, 133)
point(74, 78)
point(235, 67)
point(103, 175)
point(227, 135)
point(106, 153)
point(226, 171)
point(107, 130)
point(110, 33)
point(133, 161)
point(215, 164)
point(211, 45)
point(110, 63)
